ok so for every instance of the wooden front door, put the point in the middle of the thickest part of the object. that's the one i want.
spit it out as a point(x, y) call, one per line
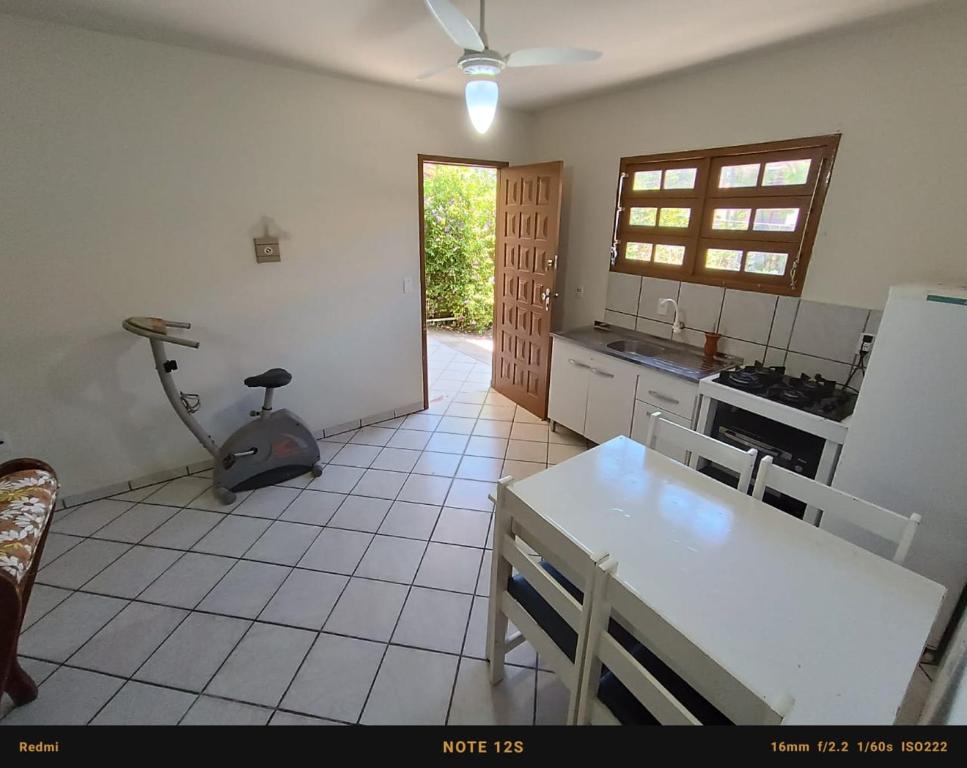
point(528, 222)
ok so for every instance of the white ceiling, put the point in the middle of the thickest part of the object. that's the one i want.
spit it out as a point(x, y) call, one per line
point(392, 41)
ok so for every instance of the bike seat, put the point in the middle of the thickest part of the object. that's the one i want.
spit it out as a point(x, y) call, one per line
point(271, 379)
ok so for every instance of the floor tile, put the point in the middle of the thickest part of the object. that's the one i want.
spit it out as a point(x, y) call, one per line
point(526, 431)
point(245, 589)
point(483, 580)
point(261, 667)
point(380, 484)
point(521, 469)
point(136, 523)
point(67, 697)
point(456, 425)
point(396, 459)
point(479, 468)
point(373, 436)
point(335, 678)
point(86, 519)
point(425, 489)
point(267, 502)
point(552, 700)
point(446, 566)
point(391, 423)
point(184, 529)
point(462, 526)
point(414, 440)
point(305, 599)
point(68, 626)
point(445, 442)
point(211, 711)
point(313, 507)
point(192, 654)
point(526, 450)
point(421, 421)
point(464, 410)
point(367, 609)
point(480, 445)
point(556, 453)
point(127, 640)
point(81, 563)
point(341, 437)
point(37, 669)
point(522, 414)
point(179, 492)
point(288, 718)
point(138, 494)
point(361, 513)
point(414, 521)
point(412, 688)
point(57, 544)
point(487, 428)
point(44, 599)
point(208, 501)
point(326, 452)
point(141, 704)
point(471, 494)
point(336, 551)
point(470, 395)
point(475, 644)
point(133, 572)
point(433, 620)
point(495, 398)
point(477, 702)
point(337, 479)
point(283, 543)
point(186, 582)
point(353, 455)
point(564, 436)
point(444, 464)
point(392, 559)
point(232, 536)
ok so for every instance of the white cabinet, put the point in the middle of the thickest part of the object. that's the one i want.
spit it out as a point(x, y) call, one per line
point(570, 376)
point(639, 430)
point(611, 399)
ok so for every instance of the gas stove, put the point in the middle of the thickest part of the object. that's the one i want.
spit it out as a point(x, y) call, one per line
point(812, 394)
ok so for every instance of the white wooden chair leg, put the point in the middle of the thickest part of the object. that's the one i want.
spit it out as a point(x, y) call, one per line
point(499, 574)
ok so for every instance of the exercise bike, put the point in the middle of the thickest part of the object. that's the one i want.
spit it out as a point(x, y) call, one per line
point(276, 446)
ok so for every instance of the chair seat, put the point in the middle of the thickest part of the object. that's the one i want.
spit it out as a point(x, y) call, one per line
point(271, 379)
point(26, 502)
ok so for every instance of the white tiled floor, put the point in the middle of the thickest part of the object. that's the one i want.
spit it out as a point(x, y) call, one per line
point(359, 596)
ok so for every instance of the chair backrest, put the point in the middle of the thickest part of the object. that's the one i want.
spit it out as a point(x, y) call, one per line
point(882, 522)
point(715, 684)
point(701, 446)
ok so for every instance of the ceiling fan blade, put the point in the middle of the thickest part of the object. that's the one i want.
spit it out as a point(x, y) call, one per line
point(539, 57)
point(433, 72)
point(456, 25)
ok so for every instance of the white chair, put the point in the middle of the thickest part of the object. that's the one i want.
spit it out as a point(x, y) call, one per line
point(882, 522)
point(665, 679)
point(699, 446)
point(551, 611)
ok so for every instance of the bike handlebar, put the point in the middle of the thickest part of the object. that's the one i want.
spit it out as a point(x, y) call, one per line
point(157, 329)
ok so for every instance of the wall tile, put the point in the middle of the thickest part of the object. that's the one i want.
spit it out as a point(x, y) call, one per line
point(747, 315)
point(827, 330)
point(783, 320)
point(623, 292)
point(797, 364)
point(692, 337)
point(620, 319)
point(653, 327)
point(775, 356)
point(747, 351)
point(700, 305)
point(653, 289)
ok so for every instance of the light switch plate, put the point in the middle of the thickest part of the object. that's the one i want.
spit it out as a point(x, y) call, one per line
point(407, 285)
point(267, 249)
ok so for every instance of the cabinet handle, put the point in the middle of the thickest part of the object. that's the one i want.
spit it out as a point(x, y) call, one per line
point(602, 373)
point(574, 362)
point(660, 396)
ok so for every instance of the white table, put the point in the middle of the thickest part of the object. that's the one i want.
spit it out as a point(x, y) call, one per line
point(786, 607)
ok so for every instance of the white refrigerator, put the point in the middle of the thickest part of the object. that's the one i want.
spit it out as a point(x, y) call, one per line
point(906, 447)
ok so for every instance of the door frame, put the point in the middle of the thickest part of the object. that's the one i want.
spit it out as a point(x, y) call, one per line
point(442, 160)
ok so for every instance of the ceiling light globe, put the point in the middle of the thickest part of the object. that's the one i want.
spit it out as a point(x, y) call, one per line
point(482, 98)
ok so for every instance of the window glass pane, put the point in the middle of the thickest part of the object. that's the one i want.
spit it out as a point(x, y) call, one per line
point(638, 251)
point(723, 258)
point(647, 180)
point(675, 217)
point(731, 218)
point(776, 219)
point(644, 217)
point(738, 175)
point(669, 254)
point(765, 263)
point(786, 172)
point(680, 178)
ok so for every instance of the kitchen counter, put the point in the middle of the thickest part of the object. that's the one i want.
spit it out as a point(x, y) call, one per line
point(672, 357)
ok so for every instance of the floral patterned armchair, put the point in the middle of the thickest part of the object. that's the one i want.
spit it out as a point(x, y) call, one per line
point(28, 491)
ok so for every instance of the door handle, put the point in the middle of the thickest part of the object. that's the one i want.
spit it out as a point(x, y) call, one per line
point(660, 396)
point(546, 297)
point(552, 262)
point(575, 363)
point(602, 373)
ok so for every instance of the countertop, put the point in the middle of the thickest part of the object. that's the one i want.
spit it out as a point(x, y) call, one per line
point(676, 358)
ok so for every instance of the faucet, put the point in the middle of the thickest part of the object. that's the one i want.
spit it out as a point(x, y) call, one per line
point(677, 325)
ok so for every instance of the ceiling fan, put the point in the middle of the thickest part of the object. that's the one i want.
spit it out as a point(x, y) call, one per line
point(482, 64)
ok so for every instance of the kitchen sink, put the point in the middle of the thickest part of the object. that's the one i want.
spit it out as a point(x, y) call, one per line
point(636, 347)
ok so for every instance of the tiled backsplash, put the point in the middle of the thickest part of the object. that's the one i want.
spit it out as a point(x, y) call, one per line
point(805, 336)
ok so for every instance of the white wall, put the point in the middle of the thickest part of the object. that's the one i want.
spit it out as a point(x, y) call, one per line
point(898, 93)
point(134, 176)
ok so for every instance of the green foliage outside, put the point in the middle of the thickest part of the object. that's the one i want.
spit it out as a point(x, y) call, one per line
point(459, 205)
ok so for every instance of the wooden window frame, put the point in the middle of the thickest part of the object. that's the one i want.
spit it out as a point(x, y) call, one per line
point(706, 196)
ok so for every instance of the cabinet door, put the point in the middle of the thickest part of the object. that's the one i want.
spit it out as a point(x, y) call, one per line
point(611, 400)
point(568, 399)
point(639, 431)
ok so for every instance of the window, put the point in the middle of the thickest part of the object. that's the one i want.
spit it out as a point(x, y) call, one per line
point(741, 217)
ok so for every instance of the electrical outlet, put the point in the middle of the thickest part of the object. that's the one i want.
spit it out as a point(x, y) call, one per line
point(865, 343)
point(662, 307)
point(579, 290)
point(267, 249)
